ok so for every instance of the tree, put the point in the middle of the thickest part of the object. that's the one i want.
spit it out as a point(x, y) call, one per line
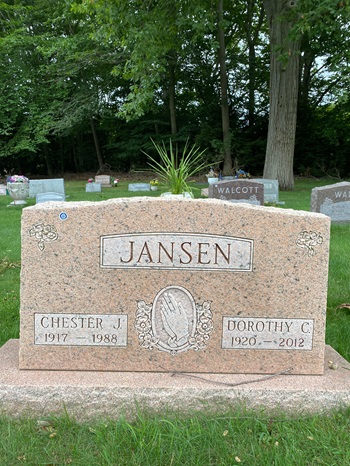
point(57, 79)
point(284, 81)
point(225, 115)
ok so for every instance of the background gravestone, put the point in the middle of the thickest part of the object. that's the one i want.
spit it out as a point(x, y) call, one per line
point(2, 189)
point(152, 285)
point(271, 190)
point(93, 187)
point(104, 180)
point(139, 187)
point(55, 185)
point(238, 190)
point(332, 200)
point(46, 197)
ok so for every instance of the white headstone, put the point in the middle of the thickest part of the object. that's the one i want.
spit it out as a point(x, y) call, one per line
point(55, 185)
point(46, 197)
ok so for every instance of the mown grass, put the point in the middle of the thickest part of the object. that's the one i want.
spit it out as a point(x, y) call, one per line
point(239, 437)
point(235, 437)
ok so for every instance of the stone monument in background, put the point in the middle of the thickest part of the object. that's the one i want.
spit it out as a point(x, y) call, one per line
point(332, 200)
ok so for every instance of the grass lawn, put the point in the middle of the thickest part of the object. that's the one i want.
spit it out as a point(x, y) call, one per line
point(234, 437)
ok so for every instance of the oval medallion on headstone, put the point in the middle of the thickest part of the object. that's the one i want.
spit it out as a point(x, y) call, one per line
point(174, 318)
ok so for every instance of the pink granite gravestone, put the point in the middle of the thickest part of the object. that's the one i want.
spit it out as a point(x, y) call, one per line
point(173, 285)
point(332, 200)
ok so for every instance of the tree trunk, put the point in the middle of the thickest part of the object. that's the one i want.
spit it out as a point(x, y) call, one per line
point(252, 36)
point(97, 144)
point(172, 84)
point(225, 115)
point(48, 161)
point(284, 79)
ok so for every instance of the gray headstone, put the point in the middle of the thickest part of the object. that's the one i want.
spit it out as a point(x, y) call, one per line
point(46, 197)
point(93, 187)
point(139, 187)
point(243, 190)
point(105, 180)
point(2, 189)
point(55, 185)
point(332, 200)
point(270, 190)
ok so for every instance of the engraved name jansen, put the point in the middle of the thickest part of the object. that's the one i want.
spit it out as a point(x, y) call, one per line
point(176, 251)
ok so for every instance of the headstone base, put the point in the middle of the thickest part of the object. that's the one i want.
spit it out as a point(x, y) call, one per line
point(97, 395)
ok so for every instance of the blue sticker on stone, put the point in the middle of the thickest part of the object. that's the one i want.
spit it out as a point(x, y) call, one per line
point(63, 216)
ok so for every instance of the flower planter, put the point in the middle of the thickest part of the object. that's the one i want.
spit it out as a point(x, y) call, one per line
point(177, 196)
point(213, 180)
point(19, 192)
point(154, 188)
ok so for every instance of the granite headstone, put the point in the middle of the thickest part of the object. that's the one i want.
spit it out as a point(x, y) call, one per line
point(152, 285)
point(238, 190)
point(54, 185)
point(46, 197)
point(93, 187)
point(104, 180)
point(332, 200)
point(139, 187)
point(271, 190)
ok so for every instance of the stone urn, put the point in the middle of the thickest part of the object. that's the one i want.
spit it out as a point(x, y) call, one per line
point(154, 188)
point(19, 192)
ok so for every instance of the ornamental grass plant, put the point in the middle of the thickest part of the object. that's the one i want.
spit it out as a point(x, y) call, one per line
point(175, 168)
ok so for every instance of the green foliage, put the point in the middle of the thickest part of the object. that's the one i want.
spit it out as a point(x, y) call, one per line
point(174, 169)
point(235, 436)
point(64, 62)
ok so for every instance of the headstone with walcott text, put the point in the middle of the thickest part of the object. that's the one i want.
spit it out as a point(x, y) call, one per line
point(332, 200)
point(155, 284)
point(239, 190)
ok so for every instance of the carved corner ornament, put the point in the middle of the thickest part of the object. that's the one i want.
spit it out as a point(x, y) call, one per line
point(308, 240)
point(174, 323)
point(43, 233)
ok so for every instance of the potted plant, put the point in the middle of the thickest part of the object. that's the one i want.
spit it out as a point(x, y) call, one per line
point(18, 189)
point(154, 184)
point(212, 176)
point(174, 169)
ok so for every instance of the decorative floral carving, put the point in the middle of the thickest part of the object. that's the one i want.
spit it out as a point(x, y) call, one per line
point(307, 240)
point(44, 233)
point(196, 340)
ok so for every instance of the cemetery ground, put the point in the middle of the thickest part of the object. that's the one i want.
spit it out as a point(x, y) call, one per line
point(231, 437)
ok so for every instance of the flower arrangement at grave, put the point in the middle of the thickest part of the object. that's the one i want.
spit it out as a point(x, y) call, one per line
point(18, 188)
point(17, 179)
point(211, 173)
point(242, 174)
point(154, 182)
point(90, 180)
point(115, 182)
